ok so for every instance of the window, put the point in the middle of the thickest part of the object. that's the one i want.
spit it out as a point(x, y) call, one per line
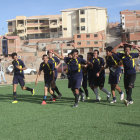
point(82, 19)
point(95, 35)
point(11, 41)
point(78, 28)
point(42, 21)
point(82, 51)
point(42, 28)
point(96, 42)
point(82, 12)
point(36, 28)
point(88, 35)
point(78, 43)
point(64, 28)
point(9, 23)
point(78, 36)
point(53, 30)
point(42, 35)
point(88, 42)
point(82, 28)
point(65, 51)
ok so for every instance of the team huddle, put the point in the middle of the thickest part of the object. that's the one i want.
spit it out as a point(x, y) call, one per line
point(81, 73)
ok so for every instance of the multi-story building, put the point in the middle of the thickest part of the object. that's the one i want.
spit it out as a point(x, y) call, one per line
point(36, 27)
point(83, 20)
point(130, 21)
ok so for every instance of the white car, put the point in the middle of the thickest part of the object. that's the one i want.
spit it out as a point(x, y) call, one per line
point(28, 71)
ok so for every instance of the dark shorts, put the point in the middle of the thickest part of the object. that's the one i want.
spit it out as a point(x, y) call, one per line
point(75, 83)
point(17, 79)
point(129, 80)
point(84, 83)
point(48, 82)
point(99, 81)
point(114, 79)
point(69, 83)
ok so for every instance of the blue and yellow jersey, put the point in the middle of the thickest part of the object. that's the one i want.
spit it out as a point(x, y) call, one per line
point(47, 69)
point(98, 63)
point(19, 63)
point(74, 67)
point(128, 62)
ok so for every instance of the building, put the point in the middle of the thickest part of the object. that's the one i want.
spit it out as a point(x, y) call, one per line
point(9, 44)
point(83, 20)
point(90, 41)
point(36, 27)
point(130, 21)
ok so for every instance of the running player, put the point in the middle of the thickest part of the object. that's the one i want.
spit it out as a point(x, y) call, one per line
point(49, 77)
point(128, 60)
point(112, 61)
point(57, 63)
point(18, 69)
point(99, 74)
point(76, 75)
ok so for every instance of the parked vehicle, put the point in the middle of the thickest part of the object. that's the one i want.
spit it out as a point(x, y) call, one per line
point(28, 71)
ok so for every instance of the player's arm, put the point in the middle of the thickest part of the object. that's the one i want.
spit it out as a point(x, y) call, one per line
point(38, 74)
point(23, 66)
point(58, 65)
point(56, 54)
point(137, 47)
point(115, 48)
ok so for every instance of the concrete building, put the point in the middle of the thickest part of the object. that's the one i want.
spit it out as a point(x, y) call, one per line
point(83, 20)
point(130, 21)
point(36, 27)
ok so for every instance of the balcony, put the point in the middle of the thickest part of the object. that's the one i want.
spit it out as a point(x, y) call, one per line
point(54, 25)
point(37, 24)
point(37, 31)
point(20, 27)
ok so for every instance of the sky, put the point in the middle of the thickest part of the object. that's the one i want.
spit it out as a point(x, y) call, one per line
point(9, 9)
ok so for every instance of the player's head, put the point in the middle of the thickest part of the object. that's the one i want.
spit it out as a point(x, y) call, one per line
point(95, 53)
point(81, 56)
point(89, 55)
point(14, 56)
point(127, 49)
point(74, 53)
point(45, 58)
point(69, 55)
point(50, 53)
point(109, 50)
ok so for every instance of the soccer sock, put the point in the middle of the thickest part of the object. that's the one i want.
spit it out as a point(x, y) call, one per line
point(114, 98)
point(105, 91)
point(57, 90)
point(29, 89)
point(121, 92)
point(86, 91)
point(129, 94)
point(54, 96)
point(44, 98)
point(15, 95)
point(96, 93)
point(76, 98)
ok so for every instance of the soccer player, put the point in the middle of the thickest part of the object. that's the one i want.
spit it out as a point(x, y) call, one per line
point(76, 75)
point(49, 77)
point(99, 74)
point(91, 74)
point(19, 76)
point(129, 69)
point(57, 63)
point(112, 61)
point(84, 83)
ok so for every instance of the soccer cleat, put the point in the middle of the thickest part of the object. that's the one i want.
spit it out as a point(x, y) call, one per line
point(88, 98)
point(113, 101)
point(43, 103)
point(122, 96)
point(131, 102)
point(54, 100)
point(75, 105)
point(15, 102)
point(126, 102)
point(33, 92)
point(59, 96)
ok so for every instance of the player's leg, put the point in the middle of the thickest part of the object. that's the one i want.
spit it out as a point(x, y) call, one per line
point(0, 76)
point(3, 76)
point(15, 93)
point(81, 93)
point(105, 91)
point(84, 85)
point(45, 95)
point(113, 93)
point(76, 94)
point(118, 78)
